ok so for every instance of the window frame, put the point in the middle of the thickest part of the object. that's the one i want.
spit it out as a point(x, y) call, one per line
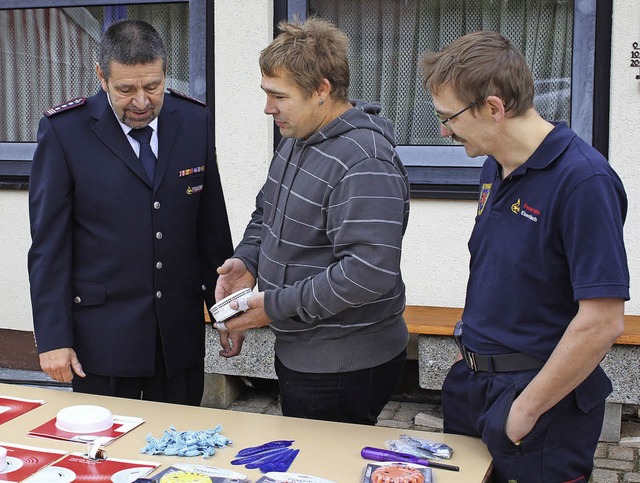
point(453, 175)
point(15, 158)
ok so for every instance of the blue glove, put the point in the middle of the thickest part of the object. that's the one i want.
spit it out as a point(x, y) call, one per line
point(257, 449)
point(282, 464)
point(271, 456)
point(252, 458)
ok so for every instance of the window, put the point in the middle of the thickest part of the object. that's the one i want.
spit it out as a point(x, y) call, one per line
point(559, 39)
point(48, 50)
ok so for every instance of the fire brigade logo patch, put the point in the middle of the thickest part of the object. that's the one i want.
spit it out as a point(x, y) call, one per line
point(485, 191)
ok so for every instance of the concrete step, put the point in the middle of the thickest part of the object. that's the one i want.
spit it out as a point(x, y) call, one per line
point(31, 378)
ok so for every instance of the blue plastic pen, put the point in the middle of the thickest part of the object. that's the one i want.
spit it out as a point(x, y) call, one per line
point(378, 454)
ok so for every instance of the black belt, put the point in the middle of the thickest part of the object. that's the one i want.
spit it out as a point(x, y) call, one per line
point(515, 361)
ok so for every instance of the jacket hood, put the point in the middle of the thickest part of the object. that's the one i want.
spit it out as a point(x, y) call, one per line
point(363, 115)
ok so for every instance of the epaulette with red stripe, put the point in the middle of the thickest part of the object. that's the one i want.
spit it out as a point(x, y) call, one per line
point(65, 106)
point(185, 96)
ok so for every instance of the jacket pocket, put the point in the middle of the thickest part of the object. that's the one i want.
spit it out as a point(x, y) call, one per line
point(89, 293)
point(593, 390)
point(494, 421)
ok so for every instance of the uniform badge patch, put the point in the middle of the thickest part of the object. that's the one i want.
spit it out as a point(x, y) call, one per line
point(194, 189)
point(516, 207)
point(485, 191)
point(65, 106)
point(526, 210)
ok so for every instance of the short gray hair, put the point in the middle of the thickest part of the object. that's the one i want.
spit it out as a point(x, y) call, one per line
point(131, 42)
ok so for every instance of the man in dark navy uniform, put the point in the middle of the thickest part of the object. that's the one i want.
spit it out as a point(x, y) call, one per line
point(548, 271)
point(129, 224)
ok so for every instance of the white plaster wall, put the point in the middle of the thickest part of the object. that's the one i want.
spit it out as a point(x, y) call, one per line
point(15, 302)
point(435, 260)
point(244, 134)
point(624, 137)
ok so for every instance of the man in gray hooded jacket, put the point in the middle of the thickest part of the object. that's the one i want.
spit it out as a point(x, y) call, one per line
point(324, 242)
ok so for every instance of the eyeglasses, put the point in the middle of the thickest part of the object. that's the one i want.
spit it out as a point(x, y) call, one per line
point(445, 121)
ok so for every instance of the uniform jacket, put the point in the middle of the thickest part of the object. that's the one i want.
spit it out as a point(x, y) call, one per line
point(114, 258)
point(325, 242)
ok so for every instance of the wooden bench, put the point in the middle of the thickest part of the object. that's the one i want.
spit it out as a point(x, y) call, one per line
point(437, 350)
point(428, 320)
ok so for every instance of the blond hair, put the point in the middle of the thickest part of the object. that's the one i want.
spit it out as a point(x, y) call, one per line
point(309, 52)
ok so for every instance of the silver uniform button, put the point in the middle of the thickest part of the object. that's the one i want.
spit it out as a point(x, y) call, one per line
point(159, 235)
point(204, 287)
point(77, 299)
point(156, 205)
point(158, 294)
point(159, 265)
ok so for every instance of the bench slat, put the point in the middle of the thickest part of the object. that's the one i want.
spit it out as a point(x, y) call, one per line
point(426, 320)
point(631, 334)
point(422, 319)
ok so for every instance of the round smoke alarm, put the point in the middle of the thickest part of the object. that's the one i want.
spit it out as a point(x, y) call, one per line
point(84, 419)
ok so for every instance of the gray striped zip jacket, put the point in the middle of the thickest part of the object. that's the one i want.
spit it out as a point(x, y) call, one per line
point(325, 242)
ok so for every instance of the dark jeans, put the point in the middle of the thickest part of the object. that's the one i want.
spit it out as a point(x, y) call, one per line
point(186, 387)
point(347, 397)
point(559, 448)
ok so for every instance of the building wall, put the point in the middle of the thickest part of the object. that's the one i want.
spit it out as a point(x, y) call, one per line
point(15, 303)
point(435, 257)
point(624, 131)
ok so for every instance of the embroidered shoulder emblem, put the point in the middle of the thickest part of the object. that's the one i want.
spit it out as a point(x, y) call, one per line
point(485, 191)
point(65, 106)
point(185, 96)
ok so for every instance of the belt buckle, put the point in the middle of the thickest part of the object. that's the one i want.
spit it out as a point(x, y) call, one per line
point(471, 360)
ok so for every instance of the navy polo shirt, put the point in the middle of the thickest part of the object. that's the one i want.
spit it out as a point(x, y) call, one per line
point(545, 237)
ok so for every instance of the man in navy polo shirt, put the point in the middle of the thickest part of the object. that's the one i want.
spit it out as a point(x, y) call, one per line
point(548, 270)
